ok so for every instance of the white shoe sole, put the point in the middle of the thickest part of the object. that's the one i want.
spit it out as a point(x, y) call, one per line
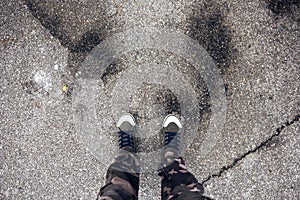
point(126, 118)
point(169, 119)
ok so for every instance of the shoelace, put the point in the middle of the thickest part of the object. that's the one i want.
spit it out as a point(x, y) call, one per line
point(125, 139)
point(169, 137)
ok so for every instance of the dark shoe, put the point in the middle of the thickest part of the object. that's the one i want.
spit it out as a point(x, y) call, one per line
point(126, 126)
point(171, 128)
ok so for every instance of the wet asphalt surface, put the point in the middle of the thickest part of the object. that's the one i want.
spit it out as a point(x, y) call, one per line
point(51, 149)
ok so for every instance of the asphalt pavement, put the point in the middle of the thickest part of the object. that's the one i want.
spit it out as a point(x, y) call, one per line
point(231, 69)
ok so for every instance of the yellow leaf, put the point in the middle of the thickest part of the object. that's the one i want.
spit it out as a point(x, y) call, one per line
point(64, 88)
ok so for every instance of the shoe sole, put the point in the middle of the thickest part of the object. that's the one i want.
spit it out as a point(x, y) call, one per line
point(126, 118)
point(169, 119)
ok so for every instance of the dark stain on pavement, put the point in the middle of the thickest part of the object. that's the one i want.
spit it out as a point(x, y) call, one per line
point(88, 41)
point(110, 71)
point(77, 36)
point(52, 20)
point(211, 32)
point(282, 6)
point(171, 103)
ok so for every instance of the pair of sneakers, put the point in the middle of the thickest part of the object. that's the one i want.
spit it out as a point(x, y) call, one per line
point(171, 126)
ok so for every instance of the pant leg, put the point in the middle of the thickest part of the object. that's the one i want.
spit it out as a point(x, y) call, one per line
point(122, 178)
point(177, 183)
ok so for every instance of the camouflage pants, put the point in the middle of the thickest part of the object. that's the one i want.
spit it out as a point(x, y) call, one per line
point(122, 180)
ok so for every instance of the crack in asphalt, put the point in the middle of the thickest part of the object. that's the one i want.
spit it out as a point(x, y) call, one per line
point(257, 148)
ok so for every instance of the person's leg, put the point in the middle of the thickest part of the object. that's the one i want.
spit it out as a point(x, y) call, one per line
point(176, 182)
point(122, 177)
